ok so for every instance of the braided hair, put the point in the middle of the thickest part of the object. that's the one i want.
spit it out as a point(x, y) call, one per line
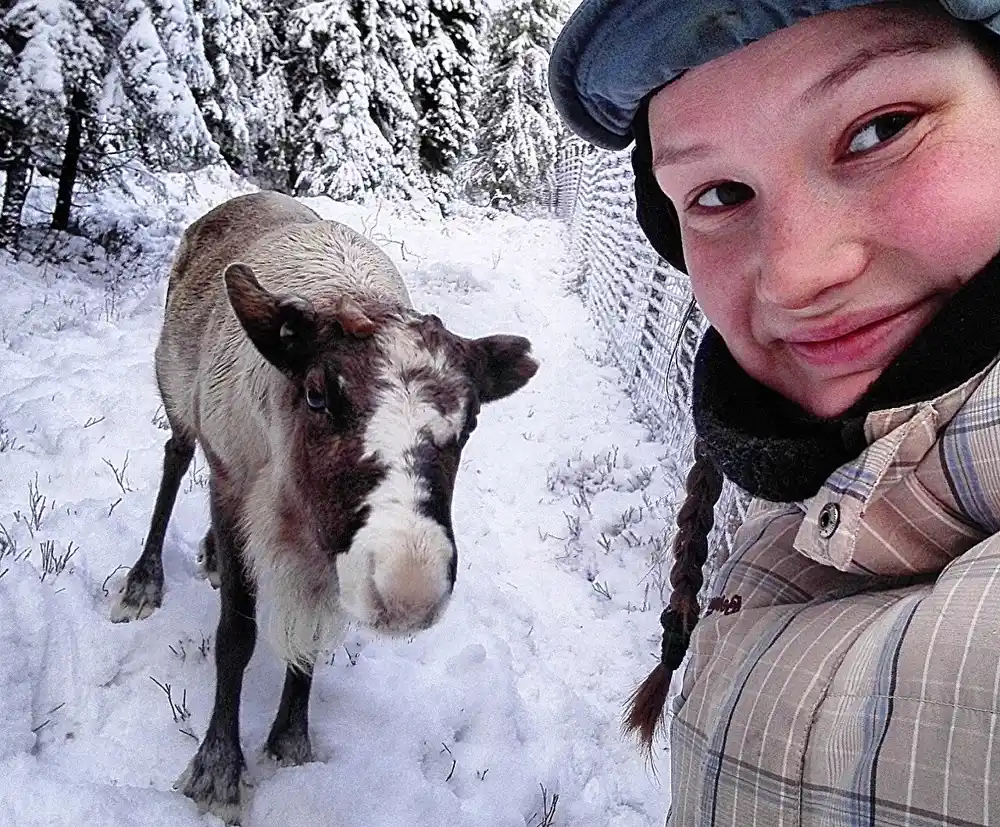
point(644, 711)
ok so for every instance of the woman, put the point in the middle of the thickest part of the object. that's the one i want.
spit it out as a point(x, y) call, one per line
point(828, 175)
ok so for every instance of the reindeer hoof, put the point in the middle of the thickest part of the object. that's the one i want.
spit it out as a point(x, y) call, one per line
point(212, 577)
point(208, 565)
point(221, 788)
point(141, 595)
point(290, 750)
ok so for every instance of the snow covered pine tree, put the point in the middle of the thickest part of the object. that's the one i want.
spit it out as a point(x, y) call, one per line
point(519, 129)
point(51, 64)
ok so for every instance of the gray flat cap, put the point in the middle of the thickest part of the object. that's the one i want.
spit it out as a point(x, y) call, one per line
point(612, 53)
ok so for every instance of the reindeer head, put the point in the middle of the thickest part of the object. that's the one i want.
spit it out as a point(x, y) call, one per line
point(369, 429)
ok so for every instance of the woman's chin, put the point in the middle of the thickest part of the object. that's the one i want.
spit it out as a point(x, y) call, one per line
point(828, 398)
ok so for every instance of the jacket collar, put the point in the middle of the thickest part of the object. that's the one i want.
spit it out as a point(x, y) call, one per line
point(902, 506)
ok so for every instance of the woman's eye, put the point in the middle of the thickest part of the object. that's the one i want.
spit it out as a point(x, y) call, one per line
point(879, 130)
point(315, 399)
point(726, 194)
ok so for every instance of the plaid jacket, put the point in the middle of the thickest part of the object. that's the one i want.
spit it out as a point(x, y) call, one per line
point(849, 673)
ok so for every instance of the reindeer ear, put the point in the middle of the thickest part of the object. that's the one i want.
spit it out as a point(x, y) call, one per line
point(282, 328)
point(352, 318)
point(501, 365)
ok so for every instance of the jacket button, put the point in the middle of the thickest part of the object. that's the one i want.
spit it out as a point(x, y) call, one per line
point(829, 519)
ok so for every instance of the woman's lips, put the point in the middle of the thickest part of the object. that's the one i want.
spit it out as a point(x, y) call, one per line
point(861, 341)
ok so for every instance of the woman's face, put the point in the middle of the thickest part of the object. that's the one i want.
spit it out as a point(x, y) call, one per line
point(836, 182)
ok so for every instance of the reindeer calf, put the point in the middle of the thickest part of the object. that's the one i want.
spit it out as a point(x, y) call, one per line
point(333, 416)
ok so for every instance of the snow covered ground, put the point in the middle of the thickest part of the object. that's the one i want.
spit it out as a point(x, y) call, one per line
point(512, 699)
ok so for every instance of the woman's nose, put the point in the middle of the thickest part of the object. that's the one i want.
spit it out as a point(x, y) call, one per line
point(809, 245)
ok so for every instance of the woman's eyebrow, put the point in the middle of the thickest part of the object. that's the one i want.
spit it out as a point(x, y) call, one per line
point(854, 64)
point(863, 59)
point(669, 155)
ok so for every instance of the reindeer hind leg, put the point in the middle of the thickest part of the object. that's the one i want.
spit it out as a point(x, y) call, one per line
point(142, 593)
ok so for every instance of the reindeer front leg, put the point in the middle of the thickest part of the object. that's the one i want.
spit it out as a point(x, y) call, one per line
point(288, 742)
point(216, 777)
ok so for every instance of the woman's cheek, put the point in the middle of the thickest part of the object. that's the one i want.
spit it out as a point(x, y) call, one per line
point(947, 220)
point(723, 292)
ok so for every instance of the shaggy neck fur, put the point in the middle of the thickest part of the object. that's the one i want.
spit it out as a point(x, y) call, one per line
point(774, 449)
point(295, 578)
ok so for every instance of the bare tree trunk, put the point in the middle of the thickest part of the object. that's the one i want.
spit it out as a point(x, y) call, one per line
point(15, 191)
point(71, 160)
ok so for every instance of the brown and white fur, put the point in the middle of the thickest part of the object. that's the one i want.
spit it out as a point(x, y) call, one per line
point(333, 417)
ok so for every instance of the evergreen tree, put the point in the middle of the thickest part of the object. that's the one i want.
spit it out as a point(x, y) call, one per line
point(83, 84)
point(336, 147)
point(246, 107)
point(520, 128)
point(393, 65)
point(338, 97)
point(51, 65)
point(269, 120)
point(447, 82)
point(161, 62)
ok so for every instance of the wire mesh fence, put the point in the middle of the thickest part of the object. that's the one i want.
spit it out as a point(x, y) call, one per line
point(642, 305)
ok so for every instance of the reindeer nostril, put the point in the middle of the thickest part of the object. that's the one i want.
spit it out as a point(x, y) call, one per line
point(398, 618)
point(409, 595)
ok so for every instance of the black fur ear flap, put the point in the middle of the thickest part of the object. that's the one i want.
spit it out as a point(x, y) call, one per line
point(501, 365)
point(282, 328)
point(655, 212)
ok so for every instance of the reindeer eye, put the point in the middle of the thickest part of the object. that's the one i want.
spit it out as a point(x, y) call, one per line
point(315, 399)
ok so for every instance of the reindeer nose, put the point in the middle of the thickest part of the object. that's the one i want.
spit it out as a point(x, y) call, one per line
point(410, 594)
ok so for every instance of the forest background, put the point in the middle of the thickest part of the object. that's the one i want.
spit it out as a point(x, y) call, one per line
point(344, 98)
